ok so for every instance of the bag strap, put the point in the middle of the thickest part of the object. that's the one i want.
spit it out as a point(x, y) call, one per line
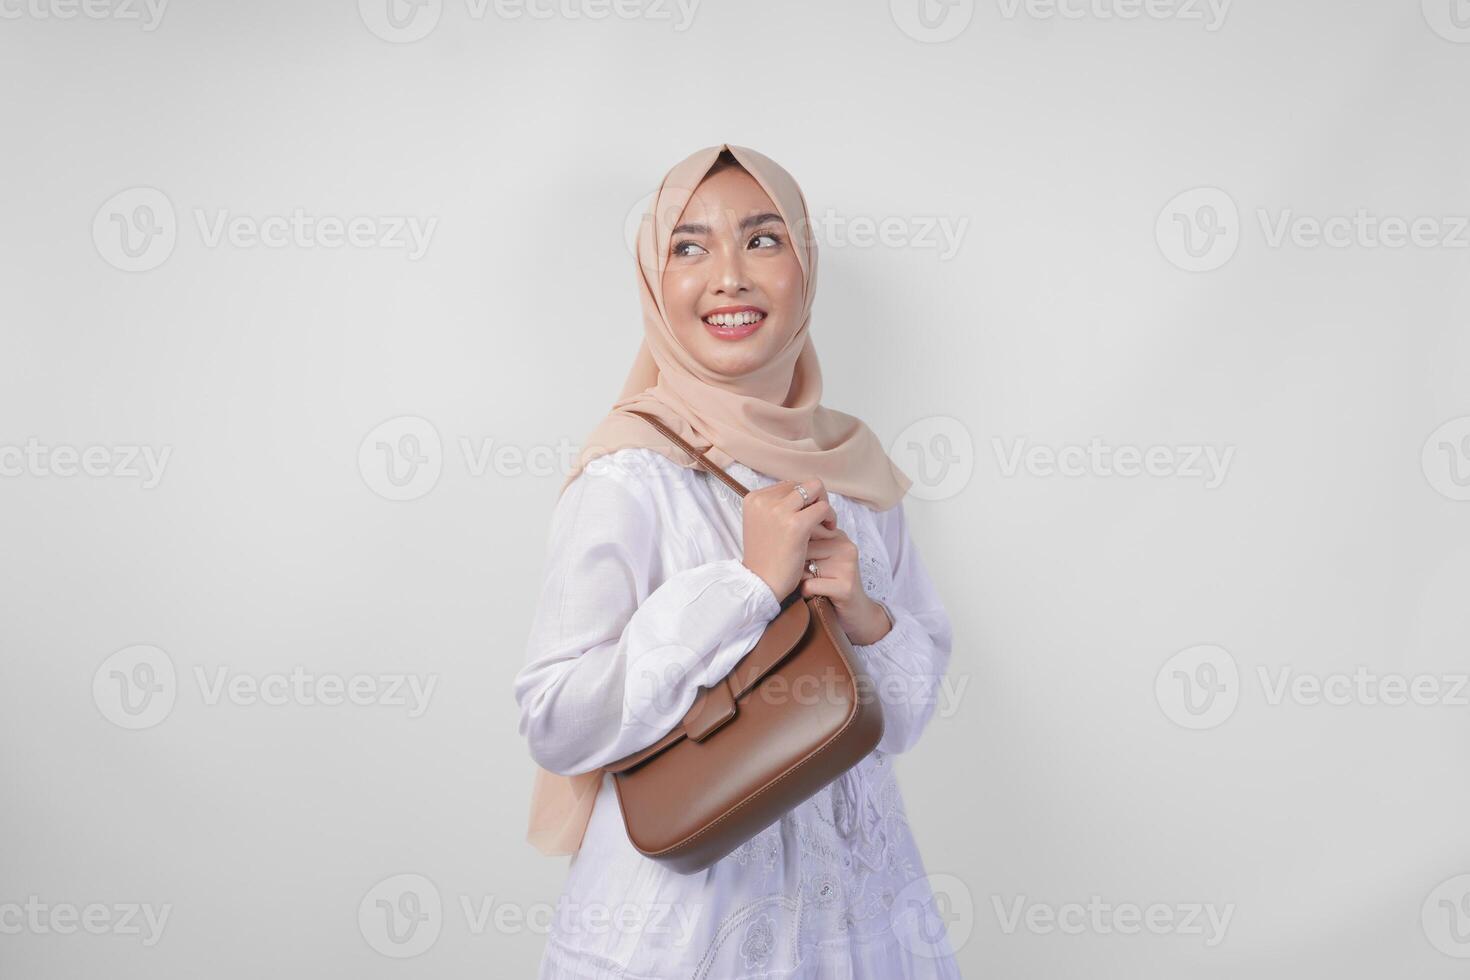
point(698, 456)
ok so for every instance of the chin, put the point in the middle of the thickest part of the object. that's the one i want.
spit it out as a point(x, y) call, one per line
point(726, 356)
point(727, 362)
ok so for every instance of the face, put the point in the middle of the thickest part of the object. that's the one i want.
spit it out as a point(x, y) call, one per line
point(733, 286)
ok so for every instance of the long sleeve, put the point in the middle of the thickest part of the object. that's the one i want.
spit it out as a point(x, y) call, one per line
point(908, 664)
point(613, 663)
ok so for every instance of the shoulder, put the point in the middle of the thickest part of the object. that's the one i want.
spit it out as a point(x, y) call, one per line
point(631, 466)
point(626, 482)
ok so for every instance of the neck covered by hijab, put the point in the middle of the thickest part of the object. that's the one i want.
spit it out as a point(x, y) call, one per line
point(771, 419)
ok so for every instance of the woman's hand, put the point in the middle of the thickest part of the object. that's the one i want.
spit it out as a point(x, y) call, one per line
point(777, 528)
point(782, 532)
point(861, 618)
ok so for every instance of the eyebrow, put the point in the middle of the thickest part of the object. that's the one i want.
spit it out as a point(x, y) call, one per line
point(745, 224)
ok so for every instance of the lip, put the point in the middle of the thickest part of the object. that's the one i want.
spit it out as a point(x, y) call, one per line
point(734, 333)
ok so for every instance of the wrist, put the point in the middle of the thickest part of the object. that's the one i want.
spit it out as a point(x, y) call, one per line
point(880, 623)
point(774, 591)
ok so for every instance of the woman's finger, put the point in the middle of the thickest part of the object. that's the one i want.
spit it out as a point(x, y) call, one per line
point(826, 546)
point(815, 490)
point(820, 514)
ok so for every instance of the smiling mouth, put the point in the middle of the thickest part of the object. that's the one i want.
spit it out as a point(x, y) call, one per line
point(739, 319)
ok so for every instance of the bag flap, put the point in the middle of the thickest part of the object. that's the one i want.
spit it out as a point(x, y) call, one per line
point(775, 644)
point(780, 638)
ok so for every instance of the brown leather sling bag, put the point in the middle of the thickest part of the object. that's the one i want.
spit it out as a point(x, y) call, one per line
point(795, 713)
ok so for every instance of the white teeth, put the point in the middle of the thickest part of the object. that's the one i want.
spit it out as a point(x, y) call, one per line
point(733, 319)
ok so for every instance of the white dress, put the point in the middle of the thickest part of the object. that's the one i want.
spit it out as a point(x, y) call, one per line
point(645, 581)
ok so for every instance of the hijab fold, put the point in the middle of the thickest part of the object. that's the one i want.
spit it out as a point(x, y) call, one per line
point(771, 419)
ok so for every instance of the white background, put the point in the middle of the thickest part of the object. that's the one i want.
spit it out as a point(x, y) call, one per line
point(1073, 309)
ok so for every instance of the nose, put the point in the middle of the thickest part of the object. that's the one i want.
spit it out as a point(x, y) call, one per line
point(730, 279)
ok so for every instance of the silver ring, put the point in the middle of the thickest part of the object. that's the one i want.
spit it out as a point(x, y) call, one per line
point(805, 497)
point(811, 566)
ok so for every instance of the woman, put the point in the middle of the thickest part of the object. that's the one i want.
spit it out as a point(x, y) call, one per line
point(661, 578)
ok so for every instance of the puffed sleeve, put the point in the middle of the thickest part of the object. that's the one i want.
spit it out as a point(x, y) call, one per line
point(618, 650)
point(908, 663)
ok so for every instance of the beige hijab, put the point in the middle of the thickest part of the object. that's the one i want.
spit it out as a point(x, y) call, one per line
point(770, 419)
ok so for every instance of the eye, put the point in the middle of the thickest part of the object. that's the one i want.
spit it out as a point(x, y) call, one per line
point(687, 248)
point(767, 236)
